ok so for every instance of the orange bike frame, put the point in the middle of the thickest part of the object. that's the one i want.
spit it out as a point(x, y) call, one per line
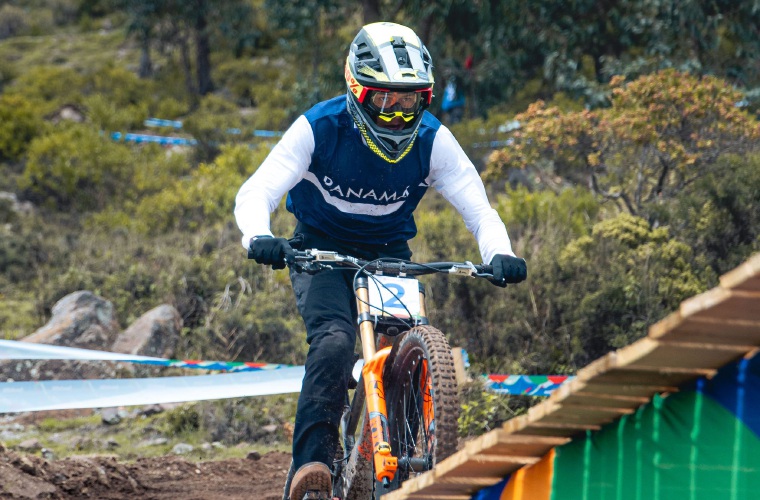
point(372, 374)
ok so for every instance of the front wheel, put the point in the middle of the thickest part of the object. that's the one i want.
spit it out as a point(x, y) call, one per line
point(422, 402)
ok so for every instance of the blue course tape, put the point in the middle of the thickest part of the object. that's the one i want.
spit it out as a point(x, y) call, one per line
point(247, 379)
point(71, 394)
point(11, 349)
point(145, 138)
point(158, 122)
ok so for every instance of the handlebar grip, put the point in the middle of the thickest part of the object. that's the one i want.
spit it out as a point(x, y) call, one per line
point(485, 268)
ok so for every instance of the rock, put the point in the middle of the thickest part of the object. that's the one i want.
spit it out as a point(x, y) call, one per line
point(182, 448)
point(111, 444)
point(151, 410)
point(29, 445)
point(155, 333)
point(26, 465)
point(47, 454)
point(80, 319)
point(153, 442)
point(269, 429)
point(110, 416)
point(254, 455)
point(83, 443)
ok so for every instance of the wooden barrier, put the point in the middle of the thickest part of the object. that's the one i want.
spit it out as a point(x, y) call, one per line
point(707, 332)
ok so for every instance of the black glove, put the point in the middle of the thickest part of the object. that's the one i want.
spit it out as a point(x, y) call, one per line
point(270, 251)
point(508, 269)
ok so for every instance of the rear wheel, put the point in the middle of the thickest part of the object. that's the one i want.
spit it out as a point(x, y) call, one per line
point(422, 402)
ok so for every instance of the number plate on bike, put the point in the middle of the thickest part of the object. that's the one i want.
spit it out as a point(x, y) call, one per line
point(391, 296)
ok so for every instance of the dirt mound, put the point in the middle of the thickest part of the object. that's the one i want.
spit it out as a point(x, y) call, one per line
point(169, 477)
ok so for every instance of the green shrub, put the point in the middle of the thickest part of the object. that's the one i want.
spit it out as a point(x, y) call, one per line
point(118, 85)
point(21, 250)
point(211, 127)
point(51, 86)
point(205, 197)
point(717, 219)
point(182, 420)
point(106, 114)
point(482, 410)
point(169, 108)
point(624, 277)
point(19, 124)
point(76, 167)
point(14, 21)
point(8, 72)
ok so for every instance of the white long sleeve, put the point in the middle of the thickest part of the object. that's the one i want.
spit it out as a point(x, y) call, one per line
point(454, 176)
point(285, 166)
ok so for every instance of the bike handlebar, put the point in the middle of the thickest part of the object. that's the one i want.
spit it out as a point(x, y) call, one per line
point(312, 261)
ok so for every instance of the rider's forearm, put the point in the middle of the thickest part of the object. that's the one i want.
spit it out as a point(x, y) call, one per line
point(455, 177)
point(260, 195)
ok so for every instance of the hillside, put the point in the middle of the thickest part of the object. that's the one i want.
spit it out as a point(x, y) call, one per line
point(628, 179)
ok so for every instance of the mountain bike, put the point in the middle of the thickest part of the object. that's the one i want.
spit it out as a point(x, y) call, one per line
point(402, 418)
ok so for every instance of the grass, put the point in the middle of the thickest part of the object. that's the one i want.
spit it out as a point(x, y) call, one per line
point(81, 51)
point(18, 315)
point(130, 438)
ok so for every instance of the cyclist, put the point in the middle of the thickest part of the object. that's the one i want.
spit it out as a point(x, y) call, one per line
point(354, 169)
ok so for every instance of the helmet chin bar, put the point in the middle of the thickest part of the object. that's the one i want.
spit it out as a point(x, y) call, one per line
point(392, 146)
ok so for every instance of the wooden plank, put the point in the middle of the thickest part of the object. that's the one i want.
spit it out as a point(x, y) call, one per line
point(678, 355)
point(476, 481)
point(500, 442)
point(479, 465)
point(563, 426)
point(515, 424)
point(652, 376)
point(705, 329)
point(586, 414)
point(721, 303)
point(598, 367)
point(398, 495)
point(632, 390)
point(612, 400)
point(429, 485)
point(422, 496)
point(745, 277)
point(575, 392)
point(508, 452)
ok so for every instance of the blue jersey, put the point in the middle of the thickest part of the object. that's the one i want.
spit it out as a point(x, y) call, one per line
point(352, 194)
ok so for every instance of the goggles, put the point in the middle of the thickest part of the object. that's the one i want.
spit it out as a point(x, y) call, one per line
point(390, 103)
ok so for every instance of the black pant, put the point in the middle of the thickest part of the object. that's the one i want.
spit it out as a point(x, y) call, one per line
point(328, 307)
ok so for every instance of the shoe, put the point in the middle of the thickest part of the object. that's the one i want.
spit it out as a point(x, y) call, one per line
point(314, 476)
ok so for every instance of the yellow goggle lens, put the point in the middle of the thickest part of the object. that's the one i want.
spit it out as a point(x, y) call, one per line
point(390, 116)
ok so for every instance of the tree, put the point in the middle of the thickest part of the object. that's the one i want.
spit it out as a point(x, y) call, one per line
point(195, 24)
point(575, 46)
point(661, 134)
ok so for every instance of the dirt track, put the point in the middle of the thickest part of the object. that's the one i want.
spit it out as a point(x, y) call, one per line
point(169, 477)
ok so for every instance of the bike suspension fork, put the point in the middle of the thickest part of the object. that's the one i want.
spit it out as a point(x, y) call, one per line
point(372, 374)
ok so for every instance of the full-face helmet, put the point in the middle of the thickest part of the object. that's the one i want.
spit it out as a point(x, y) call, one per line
point(390, 84)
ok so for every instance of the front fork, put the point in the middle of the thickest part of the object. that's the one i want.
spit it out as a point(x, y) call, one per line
point(372, 374)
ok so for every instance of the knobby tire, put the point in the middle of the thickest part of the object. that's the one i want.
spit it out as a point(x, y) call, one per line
point(420, 368)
